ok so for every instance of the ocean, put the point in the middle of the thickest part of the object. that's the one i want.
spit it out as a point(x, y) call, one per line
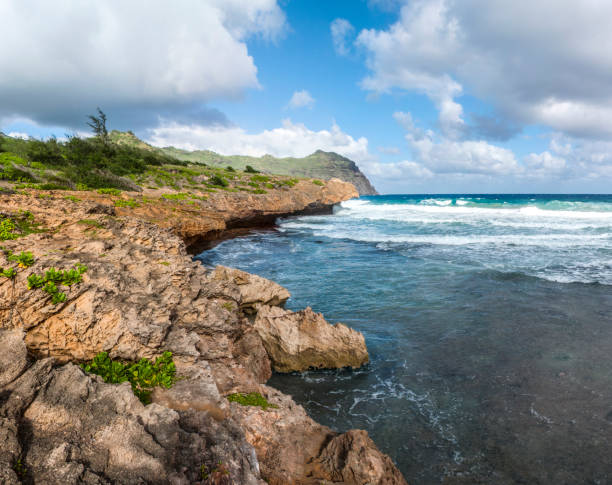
point(489, 324)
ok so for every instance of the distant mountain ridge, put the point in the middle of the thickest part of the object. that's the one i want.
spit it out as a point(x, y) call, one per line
point(320, 164)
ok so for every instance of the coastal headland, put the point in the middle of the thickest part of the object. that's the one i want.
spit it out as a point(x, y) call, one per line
point(128, 287)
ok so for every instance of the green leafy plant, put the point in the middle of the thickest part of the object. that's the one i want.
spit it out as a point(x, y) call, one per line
point(9, 273)
point(230, 169)
point(251, 399)
point(72, 198)
point(7, 229)
point(249, 169)
point(25, 259)
point(318, 182)
point(143, 375)
point(52, 278)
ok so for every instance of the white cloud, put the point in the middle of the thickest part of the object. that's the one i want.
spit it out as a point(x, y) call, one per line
point(301, 99)
point(545, 165)
point(341, 31)
point(291, 139)
point(555, 72)
point(396, 171)
point(66, 57)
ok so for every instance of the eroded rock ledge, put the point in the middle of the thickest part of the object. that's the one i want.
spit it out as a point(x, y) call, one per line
point(142, 294)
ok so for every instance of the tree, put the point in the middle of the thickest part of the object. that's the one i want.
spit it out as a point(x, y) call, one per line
point(98, 126)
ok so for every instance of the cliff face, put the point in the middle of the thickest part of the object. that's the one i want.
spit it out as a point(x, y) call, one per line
point(141, 295)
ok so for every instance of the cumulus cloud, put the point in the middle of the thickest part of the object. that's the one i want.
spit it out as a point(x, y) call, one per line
point(72, 56)
point(291, 139)
point(389, 150)
point(395, 171)
point(544, 164)
point(555, 73)
point(341, 31)
point(301, 99)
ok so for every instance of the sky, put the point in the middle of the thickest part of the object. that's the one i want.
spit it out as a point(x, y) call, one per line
point(426, 96)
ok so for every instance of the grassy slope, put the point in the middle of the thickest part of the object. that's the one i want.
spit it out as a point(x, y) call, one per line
point(32, 164)
point(320, 164)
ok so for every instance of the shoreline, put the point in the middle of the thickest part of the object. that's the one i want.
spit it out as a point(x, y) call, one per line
point(228, 357)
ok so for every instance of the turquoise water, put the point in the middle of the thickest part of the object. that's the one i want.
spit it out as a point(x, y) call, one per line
point(488, 320)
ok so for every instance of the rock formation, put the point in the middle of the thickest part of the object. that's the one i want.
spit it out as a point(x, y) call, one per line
point(141, 295)
point(297, 341)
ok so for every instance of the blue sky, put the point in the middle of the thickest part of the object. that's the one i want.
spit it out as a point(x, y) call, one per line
point(424, 95)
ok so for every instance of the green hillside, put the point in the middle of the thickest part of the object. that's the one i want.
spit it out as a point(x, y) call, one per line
point(320, 164)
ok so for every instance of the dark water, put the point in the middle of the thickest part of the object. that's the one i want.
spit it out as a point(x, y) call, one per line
point(488, 321)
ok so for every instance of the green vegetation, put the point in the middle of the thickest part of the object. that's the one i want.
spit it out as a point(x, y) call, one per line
point(25, 259)
point(179, 196)
point(52, 277)
point(218, 181)
point(20, 469)
point(90, 223)
point(228, 305)
point(9, 273)
point(110, 162)
point(131, 203)
point(143, 375)
point(251, 399)
point(318, 182)
point(18, 225)
point(109, 191)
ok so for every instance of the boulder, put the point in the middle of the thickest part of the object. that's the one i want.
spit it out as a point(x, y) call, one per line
point(352, 457)
point(297, 341)
point(253, 290)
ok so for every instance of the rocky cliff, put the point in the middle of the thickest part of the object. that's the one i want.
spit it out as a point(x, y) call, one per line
point(141, 295)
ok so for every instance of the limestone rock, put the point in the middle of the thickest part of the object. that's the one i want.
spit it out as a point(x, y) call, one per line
point(352, 457)
point(66, 427)
point(296, 341)
point(253, 290)
point(295, 450)
point(13, 356)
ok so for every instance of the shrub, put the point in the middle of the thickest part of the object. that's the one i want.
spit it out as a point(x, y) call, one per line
point(219, 181)
point(230, 169)
point(249, 169)
point(318, 182)
point(143, 375)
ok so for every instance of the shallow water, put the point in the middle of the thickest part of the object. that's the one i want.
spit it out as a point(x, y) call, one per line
point(488, 320)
